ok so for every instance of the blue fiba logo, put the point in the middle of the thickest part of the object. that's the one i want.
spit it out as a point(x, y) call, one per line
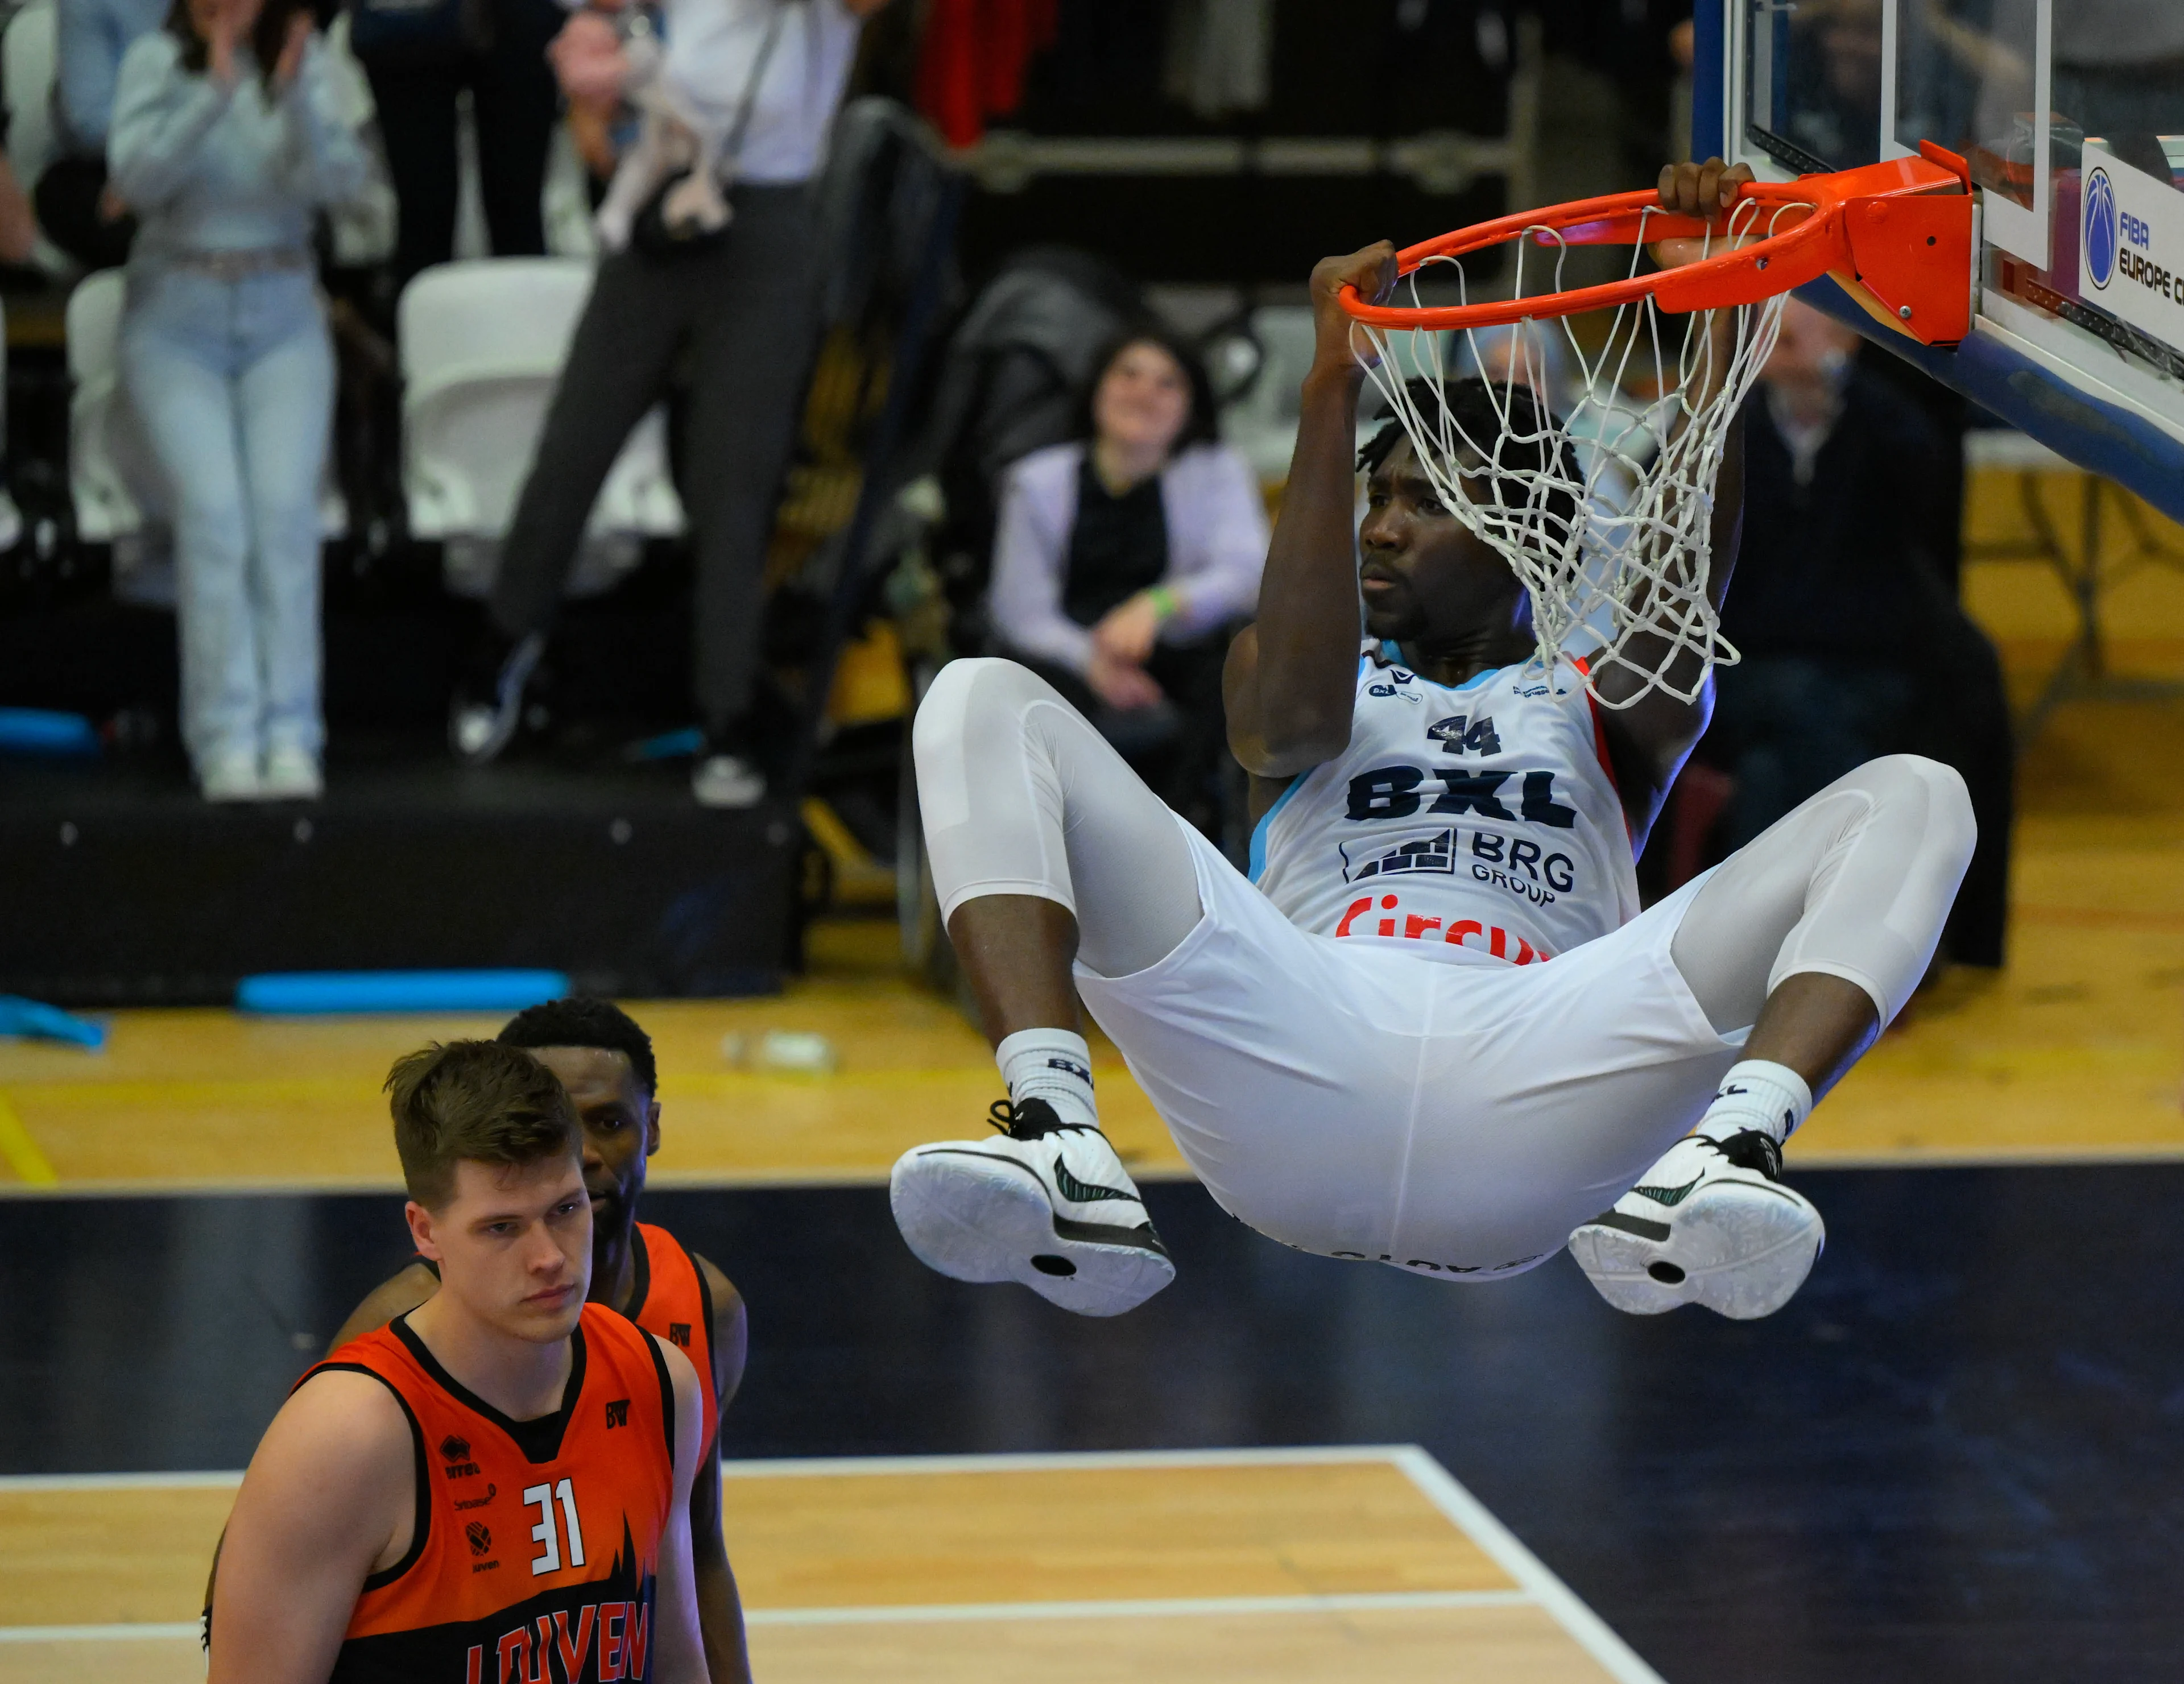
point(2101, 231)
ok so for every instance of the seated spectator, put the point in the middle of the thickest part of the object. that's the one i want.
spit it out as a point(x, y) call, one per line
point(1122, 560)
point(1853, 644)
point(78, 206)
point(225, 137)
point(421, 56)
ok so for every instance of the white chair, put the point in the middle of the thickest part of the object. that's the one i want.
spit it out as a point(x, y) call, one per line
point(115, 482)
point(112, 476)
point(28, 65)
point(362, 229)
point(482, 346)
point(1263, 424)
point(29, 49)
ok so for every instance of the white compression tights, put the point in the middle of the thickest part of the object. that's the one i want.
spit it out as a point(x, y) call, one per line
point(1856, 883)
point(1021, 796)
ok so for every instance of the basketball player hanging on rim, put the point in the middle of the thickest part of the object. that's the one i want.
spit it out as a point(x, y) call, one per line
point(496, 1485)
point(1437, 1033)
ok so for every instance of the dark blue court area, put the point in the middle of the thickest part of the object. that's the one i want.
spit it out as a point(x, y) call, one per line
point(1957, 1456)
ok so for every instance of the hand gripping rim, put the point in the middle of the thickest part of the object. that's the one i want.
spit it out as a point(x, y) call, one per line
point(1897, 234)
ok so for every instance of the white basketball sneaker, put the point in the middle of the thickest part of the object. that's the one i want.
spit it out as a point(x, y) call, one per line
point(1711, 1224)
point(1046, 1202)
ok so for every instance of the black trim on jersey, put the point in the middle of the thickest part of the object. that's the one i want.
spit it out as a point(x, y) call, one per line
point(641, 1273)
point(421, 1528)
point(539, 1440)
point(438, 1651)
point(706, 1308)
point(652, 1343)
point(712, 1374)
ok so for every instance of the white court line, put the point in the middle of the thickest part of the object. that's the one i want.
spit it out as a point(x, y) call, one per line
point(931, 1614)
point(828, 1466)
point(1476, 1521)
point(1538, 1585)
point(1143, 1607)
point(208, 1481)
point(98, 1633)
point(1041, 1462)
point(770, 1180)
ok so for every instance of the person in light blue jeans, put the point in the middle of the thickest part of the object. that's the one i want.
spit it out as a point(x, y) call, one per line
point(227, 136)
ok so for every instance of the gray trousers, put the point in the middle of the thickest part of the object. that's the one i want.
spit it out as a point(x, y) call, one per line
point(744, 316)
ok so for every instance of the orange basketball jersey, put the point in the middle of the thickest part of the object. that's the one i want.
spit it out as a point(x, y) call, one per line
point(672, 1299)
point(536, 1543)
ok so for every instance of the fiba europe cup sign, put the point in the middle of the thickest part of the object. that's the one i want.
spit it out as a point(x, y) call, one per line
point(2131, 247)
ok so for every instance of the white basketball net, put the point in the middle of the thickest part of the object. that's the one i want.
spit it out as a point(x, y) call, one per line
point(1612, 536)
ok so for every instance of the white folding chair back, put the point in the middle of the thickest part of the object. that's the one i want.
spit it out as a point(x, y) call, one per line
point(482, 347)
point(28, 47)
point(1263, 424)
point(29, 62)
point(112, 476)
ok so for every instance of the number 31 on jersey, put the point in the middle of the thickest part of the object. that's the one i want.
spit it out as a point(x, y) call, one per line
point(542, 1498)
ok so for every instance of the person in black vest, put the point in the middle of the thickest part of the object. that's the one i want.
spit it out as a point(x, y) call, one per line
point(1122, 558)
point(733, 313)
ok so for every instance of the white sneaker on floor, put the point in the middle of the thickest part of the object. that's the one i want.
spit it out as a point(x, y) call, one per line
point(727, 781)
point(291, 775)
point(231, 776)
point(481, 725)
point(1046, 1203)
point(1711, 1224)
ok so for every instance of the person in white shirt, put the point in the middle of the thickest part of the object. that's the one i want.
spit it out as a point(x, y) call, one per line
point(1121, 560)
point(736, 311)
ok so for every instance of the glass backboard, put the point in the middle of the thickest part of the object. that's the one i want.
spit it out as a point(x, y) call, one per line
point(2070, 114)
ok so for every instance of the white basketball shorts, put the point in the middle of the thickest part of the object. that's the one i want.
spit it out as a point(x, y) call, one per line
point(1349, 1099)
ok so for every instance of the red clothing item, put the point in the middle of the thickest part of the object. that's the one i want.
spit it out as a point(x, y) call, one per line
point(971, 64)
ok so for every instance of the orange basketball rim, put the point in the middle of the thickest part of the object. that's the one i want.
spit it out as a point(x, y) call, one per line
point(1898, 235)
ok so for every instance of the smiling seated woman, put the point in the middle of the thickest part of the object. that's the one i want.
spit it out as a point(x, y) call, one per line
point(1124, 558)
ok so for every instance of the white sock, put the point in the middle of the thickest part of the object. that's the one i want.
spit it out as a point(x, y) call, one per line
point(1756, 1094)
point(1054, 1065)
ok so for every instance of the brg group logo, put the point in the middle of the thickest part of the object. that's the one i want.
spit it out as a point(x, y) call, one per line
point(2101, 232)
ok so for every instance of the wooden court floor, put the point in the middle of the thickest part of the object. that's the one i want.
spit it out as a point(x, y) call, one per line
point(2075, 1050)
point(1329, 1565)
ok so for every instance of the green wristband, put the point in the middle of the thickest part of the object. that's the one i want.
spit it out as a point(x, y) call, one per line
point(1163, 601)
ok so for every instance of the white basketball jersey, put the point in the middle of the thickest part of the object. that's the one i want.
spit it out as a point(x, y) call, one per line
point(1477, 823)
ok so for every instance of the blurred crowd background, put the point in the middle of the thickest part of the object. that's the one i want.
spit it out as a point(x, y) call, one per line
point(345, 429)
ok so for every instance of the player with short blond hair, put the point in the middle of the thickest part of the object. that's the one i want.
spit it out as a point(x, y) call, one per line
point(497, 1485)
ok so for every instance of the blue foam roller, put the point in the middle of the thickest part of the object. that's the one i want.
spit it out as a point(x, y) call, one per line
point(35, 1018)
point(297, 992)
point(40, 730)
